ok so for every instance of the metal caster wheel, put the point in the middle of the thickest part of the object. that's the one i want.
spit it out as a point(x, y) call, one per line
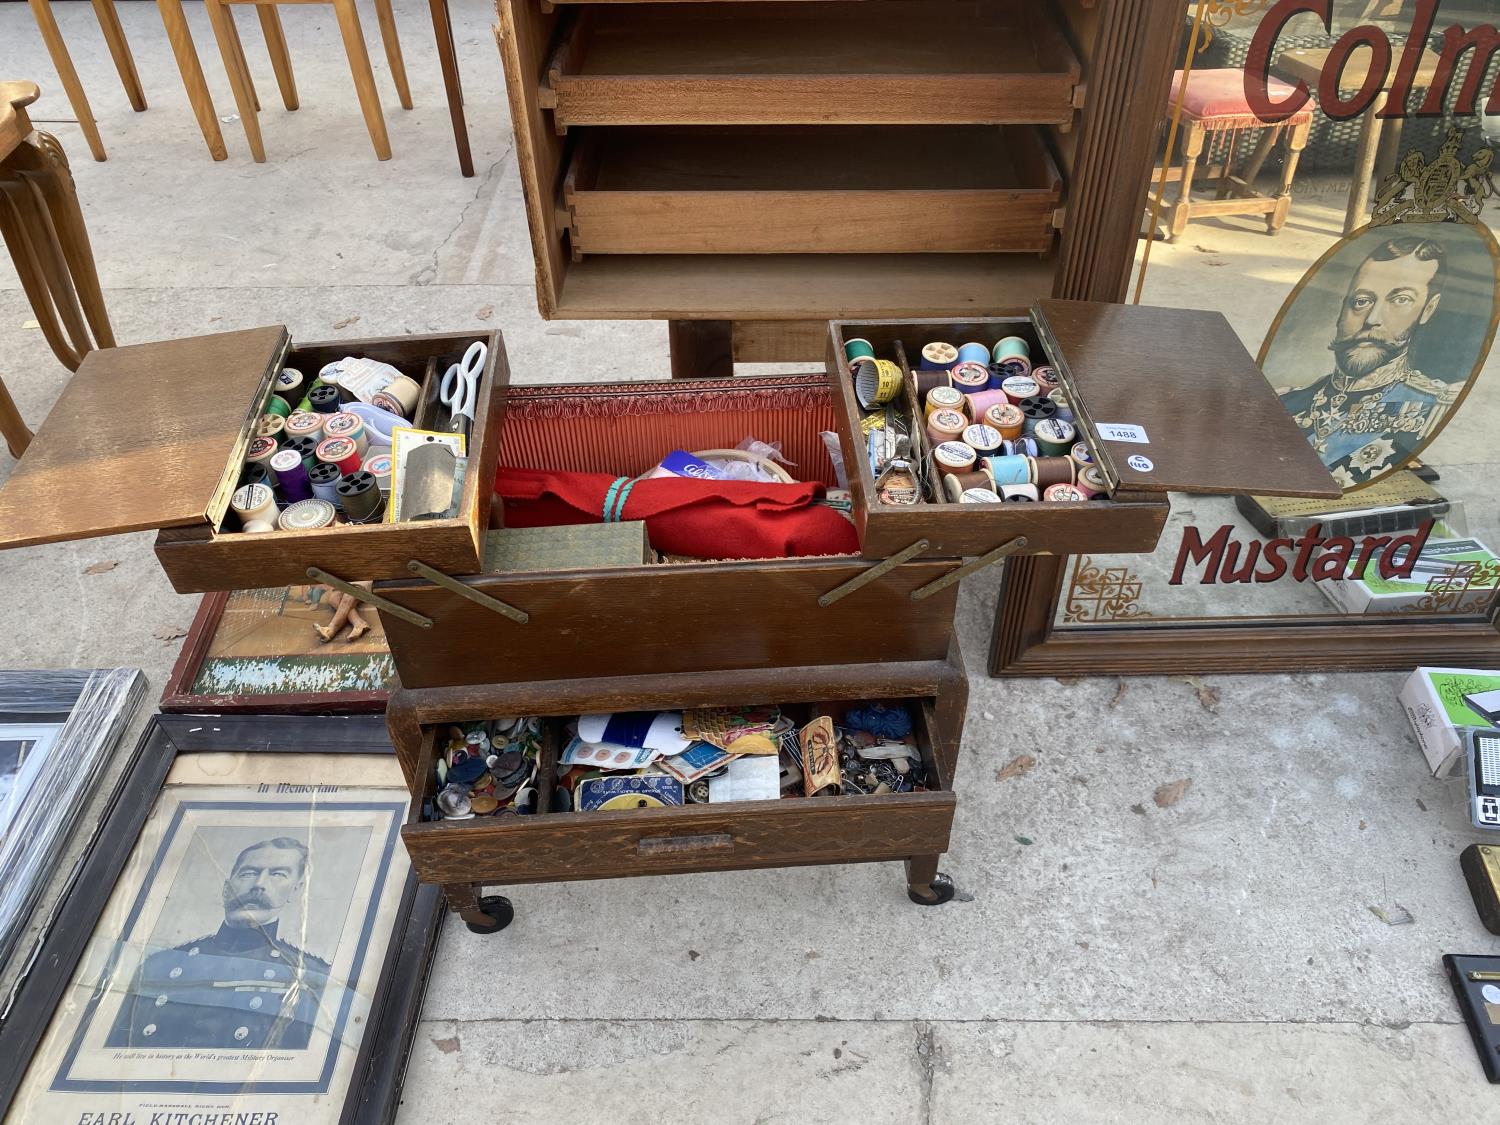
point(498, 910)
point(943, 891)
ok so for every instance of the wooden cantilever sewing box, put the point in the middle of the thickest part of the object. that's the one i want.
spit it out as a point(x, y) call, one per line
point(469, 645)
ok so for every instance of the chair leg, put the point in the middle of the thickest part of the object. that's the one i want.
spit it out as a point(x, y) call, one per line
point(1296, 141)
point(364, 77)
point(221, 20)
point(119, 50)
point(18, 239)
point(31, 205)
point(1192, 149)
point(17, 434)
point(1263, 147)
point(387, 19)
point(442, 27)
point(181, 39)
point(45, 166)
point(58, 51)
point(281, 59)
point(239, 53)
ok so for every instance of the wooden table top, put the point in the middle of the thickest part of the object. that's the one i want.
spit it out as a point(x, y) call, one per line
point(14, 124)
point(1307, 64)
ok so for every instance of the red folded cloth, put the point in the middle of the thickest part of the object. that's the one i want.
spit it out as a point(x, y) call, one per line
point(705, 519)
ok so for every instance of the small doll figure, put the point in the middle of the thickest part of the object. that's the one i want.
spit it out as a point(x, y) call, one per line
point(345, 612)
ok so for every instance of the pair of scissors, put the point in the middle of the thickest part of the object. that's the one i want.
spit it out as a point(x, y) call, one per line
point(460, 386)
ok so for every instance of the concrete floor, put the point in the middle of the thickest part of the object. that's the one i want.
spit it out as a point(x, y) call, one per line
point(1212, 961)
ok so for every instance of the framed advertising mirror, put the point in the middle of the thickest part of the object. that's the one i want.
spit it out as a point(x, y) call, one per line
point(1376, 303)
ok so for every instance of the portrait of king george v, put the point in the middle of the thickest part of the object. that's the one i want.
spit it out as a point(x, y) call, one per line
point(1380, 341)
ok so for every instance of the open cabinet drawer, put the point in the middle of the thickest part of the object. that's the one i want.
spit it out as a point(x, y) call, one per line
point(155, 436)
point(791, 831)
point(567, 619)
point(797, 190)
point(1164, 399)
point(867, 62)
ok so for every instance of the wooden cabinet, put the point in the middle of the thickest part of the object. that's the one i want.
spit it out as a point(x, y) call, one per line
point(154, 436)
point(764, 166)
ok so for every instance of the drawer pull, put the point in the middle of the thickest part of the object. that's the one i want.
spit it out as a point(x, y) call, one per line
point(968, 568)
point(879, 570)
point(363, 595)
point(678, 845)
point(454, 586)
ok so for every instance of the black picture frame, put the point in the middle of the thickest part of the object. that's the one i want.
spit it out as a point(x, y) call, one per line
point(379, 1069)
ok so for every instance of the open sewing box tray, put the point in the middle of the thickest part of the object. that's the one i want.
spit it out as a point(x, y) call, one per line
point(792, 831)
point(1179, 377)
point(154, 436)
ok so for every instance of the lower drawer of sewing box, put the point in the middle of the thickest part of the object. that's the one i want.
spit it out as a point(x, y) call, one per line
point(790, 832)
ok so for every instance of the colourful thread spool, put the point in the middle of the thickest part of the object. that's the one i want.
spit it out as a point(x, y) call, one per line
point(360, 498)
point(974, 353)
point(307, 449)
point(983, 440)
point(324, 399)
point(325, 479)
point(929, 381)
point(305, 423)
point(378, 465)
point(272, 426)
point(351, 426)
point(1068, 493)
point(1047, 378)
point(944, 398)
point(953, 457)
point(1060, 402)
point(254, 502)
point(971, 378)
point(1012, 347)
point(291, 475)
point(291, 384)
point(999, 373)
point(1019, 493)
point(1036, 410)
point(1018, 388)
point(1052, 470)
point(307, 515)
point(858, 349)
point(1009, 470)
point(1007, 418)
point(979, 478)
point(945, 425)
point(341, 452)
point(1055, 437)
point(278, 406)
point(1082, 455)
point(259, 452)
point(1019, 447)
point(938, 356)
point(1091, 481)
point(981, 401)
point(255, 474)
point(978, 496)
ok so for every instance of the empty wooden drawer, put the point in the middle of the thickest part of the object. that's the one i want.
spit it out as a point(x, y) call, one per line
point(1166, 399)
point(868, 62)
point(792, 831)
point(798, 190)
point(154, 436)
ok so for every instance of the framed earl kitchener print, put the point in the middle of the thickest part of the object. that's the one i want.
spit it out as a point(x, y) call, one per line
point(246, 944)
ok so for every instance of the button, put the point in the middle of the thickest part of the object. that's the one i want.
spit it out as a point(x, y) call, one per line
point(149, 1029)
point(242, 1033)
point(176, 972)
point(160, 1000)
point(255, 1002)
point(269, 974)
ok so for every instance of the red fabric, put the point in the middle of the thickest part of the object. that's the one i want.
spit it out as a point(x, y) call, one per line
point(1220, 94)
point(704, 519)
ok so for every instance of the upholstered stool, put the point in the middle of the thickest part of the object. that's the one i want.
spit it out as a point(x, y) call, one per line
point(1214, 104)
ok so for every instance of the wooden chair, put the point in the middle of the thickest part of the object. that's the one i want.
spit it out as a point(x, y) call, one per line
point(42, 226)
point(1214, 105)
point(221, 16)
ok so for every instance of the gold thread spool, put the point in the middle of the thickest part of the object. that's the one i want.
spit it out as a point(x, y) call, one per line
point(944, 398)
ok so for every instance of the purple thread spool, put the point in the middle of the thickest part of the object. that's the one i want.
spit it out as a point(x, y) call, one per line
point(291, 474)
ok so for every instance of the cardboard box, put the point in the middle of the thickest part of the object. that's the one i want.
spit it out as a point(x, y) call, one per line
point(1436, 576)
point(1434, 702)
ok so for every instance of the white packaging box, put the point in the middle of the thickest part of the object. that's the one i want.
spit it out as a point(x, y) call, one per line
point(1433, 699)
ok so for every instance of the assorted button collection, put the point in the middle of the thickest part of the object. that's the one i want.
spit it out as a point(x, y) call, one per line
point(993, 427)
point(656, 759)
point(326, 459)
